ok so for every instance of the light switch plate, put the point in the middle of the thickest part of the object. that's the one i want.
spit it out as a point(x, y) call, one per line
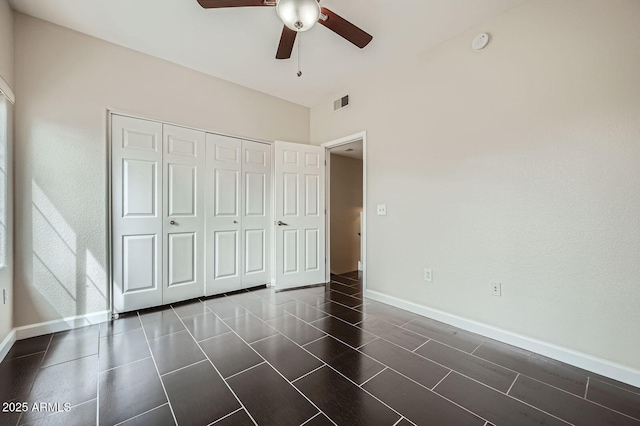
point(382, 210)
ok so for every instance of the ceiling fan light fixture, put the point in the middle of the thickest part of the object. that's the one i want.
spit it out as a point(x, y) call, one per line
point(298, 15)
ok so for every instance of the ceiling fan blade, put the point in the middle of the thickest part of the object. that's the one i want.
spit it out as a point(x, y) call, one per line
point(287, 39)
point(210, 4)
point(344, 28)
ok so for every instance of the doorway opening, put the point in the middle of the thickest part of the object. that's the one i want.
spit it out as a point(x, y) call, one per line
point(346, 209)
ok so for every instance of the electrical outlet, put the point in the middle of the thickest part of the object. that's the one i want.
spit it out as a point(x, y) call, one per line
point(428, 275)
point(496, 289)
point(382, 209)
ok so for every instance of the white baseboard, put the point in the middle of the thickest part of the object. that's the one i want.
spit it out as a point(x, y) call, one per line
point(6, 344)
point(63, 324)
point(600, 366)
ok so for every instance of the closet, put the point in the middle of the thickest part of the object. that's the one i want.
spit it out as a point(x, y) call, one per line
point(190, 213)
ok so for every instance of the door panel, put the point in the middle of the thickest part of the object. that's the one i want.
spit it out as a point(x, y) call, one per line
point(300, 239)
point(254, 194)
point(227, 193)
point(182, 190)
point(312, 253)
point(136, 213)
point(223, 188)
point(139, 187)
point(183, 208)
point(139, 261)
point(254, 247)
point(290, 241)
point(256, 213)
point(290, 195)
point(312, 191)
point(226, 255)
point(182, 258)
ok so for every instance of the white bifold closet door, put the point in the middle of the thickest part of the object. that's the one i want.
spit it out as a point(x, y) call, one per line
point(183, 205)
point(157, 213)
point(238, 214)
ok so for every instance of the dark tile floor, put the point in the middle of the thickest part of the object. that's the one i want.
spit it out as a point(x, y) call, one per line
point(314, 356)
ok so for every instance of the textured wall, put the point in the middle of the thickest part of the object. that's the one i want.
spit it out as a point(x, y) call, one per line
point(6, 71)
point(65, 83)
point(6, 43)
point(346, 205)
point(519, 164)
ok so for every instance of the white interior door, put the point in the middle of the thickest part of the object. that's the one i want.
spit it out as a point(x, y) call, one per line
point(224, 203)
point(300, 215)
point(136, 213)
point(183, 205)
point(256, 213)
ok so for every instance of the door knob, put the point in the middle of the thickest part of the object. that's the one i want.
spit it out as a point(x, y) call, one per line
point(173, 222)
point(281, 223)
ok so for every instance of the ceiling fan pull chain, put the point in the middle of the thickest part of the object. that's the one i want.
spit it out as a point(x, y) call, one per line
point(299, 74)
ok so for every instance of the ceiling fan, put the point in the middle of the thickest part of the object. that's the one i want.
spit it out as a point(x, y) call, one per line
point(297, 16)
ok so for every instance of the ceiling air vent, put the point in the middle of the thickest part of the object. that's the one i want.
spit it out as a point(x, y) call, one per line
point(341, 103)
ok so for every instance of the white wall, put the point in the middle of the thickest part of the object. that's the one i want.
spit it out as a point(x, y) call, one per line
point(6, 42)
point(345, 207)
point(65, 81)
point(520, 164)
point(6, 73)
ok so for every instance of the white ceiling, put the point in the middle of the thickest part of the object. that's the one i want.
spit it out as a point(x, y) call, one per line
point(356, 150)
point(239, 44)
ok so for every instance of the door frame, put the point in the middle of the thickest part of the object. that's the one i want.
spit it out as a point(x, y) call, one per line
point(363, 238)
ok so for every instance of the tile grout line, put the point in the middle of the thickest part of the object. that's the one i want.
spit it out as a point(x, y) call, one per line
point(264, 338)
point(182, 368)
point(157, 371)
point(476, 357)
point(98, 379)
point(473, 351)
point(214, 337)
point(244, 371)
point(141, 414)
point(441, 380)
point(314, 340)
point(578, 396)
point(215, 368)
point(26, 355)
point(365, 344)
point(508, 396)
point(586, 390)
point(399, 420)
point(123, 365)
point(635, 392)
point(372, 377)
point(311, 418)
point(38, 371)
point(416, 349)
point(55, 413)
point(345, 294)
point(224, 417)
point(308, 373)
point(514, 382)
